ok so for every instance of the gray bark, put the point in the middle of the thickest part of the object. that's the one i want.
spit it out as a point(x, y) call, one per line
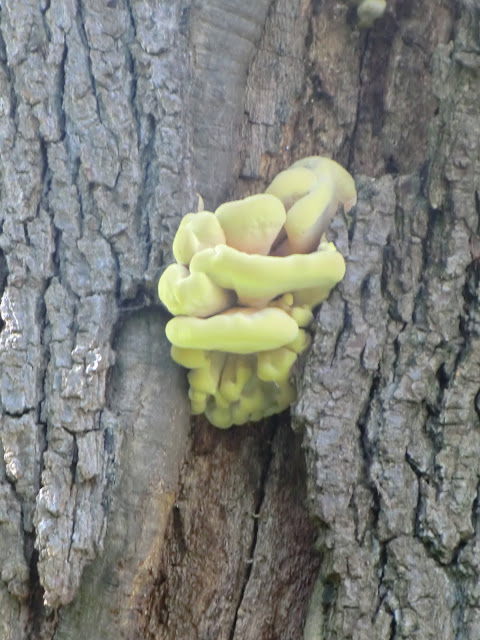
point(120, 517)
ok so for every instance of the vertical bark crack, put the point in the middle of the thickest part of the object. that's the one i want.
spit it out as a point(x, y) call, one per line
point(351, 153)
point(255, 516)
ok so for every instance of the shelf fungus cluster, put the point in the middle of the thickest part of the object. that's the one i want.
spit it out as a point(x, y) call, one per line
point(243, 287)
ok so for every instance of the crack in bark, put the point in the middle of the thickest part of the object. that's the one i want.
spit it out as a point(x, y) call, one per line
point(361, 425)
point(353, 135)
point(80, 21)
point(256, 515)
point(342, 332)
point(13, 99)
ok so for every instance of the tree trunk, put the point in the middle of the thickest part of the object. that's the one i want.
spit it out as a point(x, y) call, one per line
point(120, 517)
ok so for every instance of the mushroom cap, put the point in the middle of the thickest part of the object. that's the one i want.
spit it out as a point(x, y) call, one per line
point(197, 231)
point(234, 388)
point(252, 224)
point(308, 219)
point(302, 314)
point(198, 401)
point(237, 371)
point(258, 279)
point(189, 358)
point(283, 396)
point(301, 342)
point(237, 330)
point(292, 184)
point(259, 399)
point(275, 365)
point(220, 417)
point(206, 379)
point(312, 296)
point(253, 402)
point(311, 190)
point(370, 10)
point(193, 294)
point(324, 167)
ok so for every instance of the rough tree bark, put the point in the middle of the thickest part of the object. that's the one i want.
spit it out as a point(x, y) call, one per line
point(119, 516)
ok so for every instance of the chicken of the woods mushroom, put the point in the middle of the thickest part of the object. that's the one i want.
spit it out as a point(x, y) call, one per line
point(243, 287)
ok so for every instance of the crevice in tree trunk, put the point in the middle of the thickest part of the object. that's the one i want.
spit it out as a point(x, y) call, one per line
point(260, 589)
point(255, 516)
point(35, 601)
